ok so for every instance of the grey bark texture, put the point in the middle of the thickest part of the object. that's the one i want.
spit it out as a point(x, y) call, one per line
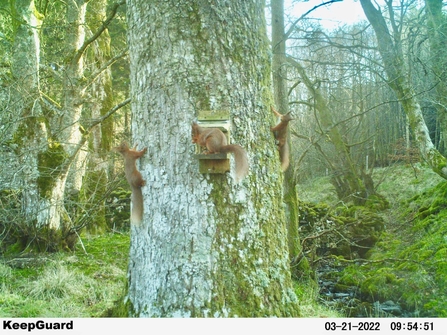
point(207, 246)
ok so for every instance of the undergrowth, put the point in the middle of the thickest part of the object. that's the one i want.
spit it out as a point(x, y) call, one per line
point(84, 283)
point(308, 295)
point(407, 265)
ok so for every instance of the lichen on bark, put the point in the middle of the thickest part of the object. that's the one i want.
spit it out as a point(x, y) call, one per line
point(207, 246)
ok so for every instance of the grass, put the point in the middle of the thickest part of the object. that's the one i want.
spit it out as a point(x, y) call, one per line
point(75, 284)
point(89, 283)
point(397, 183)
point(308, 296)
point(402, 182)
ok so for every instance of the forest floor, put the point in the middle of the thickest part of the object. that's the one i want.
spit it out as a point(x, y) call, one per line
point(405, 272)
point(90, 282)
point(85, 283)
point(411, 253)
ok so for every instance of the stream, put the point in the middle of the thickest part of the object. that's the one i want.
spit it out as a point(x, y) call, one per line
point(349, 301)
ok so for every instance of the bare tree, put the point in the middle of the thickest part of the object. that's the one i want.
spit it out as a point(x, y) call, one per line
point(437, 34)
point(389, 41)
point(51, 134)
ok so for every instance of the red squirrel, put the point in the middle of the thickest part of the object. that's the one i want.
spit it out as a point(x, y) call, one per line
point(280, 132)
point(134, 179)
point(216, 142)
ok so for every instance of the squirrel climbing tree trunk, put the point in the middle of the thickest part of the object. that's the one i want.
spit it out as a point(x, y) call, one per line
point(207, 246)
point(281, 98)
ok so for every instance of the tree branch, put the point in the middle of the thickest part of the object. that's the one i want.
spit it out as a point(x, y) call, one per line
point(290, 30)
point(104, 26)
point(94, 122)
point(86, 132)
point(105, 66)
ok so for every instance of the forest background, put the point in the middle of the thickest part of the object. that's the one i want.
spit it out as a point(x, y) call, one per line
point(368, 101)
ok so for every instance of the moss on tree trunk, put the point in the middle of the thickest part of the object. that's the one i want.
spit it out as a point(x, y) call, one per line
point(207, 246)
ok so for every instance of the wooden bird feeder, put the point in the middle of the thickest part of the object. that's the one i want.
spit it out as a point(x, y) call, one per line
point(213, 163)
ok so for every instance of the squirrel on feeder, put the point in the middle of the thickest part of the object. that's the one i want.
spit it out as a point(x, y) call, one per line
point(215, 141)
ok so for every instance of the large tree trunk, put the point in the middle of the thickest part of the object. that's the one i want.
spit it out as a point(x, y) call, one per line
point(206, 246)
point(399, 80)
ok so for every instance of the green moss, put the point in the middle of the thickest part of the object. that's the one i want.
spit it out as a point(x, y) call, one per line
point(438, 161)
point(50, 162)
point(352, 276)
point(92, 195)
point(413, 269)
point(256, 285)
point(28, 128)
point(377, 202)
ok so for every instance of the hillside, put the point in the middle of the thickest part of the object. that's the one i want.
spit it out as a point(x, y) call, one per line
point(405, 272)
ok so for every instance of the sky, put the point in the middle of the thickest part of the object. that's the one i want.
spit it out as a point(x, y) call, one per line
point(331, 16)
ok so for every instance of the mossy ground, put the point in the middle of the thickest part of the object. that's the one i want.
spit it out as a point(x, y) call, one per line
point(90, 284)
point(408, 264)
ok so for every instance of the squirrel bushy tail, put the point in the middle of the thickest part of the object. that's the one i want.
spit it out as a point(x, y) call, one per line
point(215, 141)
point(240, 159)
point(280, 132)
point(284, 156)
point(136, 214)
point(134, 179)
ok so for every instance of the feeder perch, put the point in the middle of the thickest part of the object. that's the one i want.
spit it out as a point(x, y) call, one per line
point(214, 163)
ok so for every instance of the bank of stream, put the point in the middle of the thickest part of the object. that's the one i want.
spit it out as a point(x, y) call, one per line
point(349, 300)
point(380, 263)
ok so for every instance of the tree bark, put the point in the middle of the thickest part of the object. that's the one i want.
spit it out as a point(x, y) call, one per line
point(74, 92)
point(30, 135)
point(207, 246)
point(437, 34)
point(94, 187)
point(398, 79)
point(281, 98)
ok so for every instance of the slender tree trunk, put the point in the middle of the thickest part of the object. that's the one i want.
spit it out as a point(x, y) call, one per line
point(399, 81)
point(281, 98)
point(437, 34)
point(31, 133)
point(74, 92)
point(206, 246)
point(95, 181)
